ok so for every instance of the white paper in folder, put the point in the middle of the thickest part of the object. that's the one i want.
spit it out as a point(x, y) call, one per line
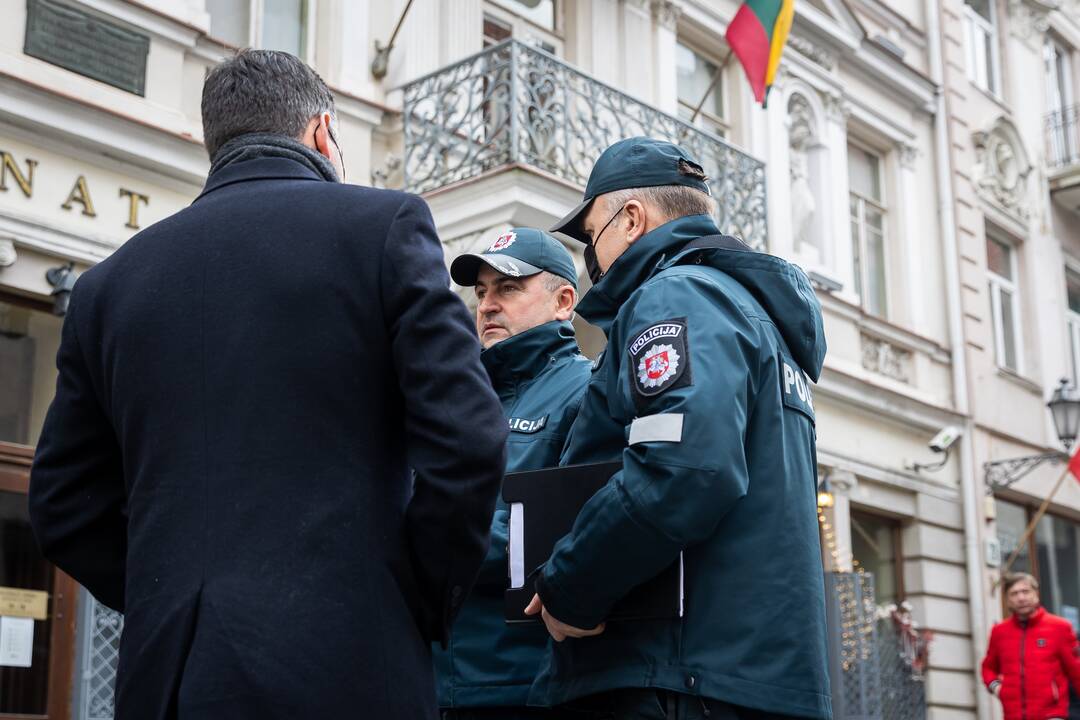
point(516, 548)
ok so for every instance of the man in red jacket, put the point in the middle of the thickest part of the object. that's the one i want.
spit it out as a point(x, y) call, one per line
point(1032, 656)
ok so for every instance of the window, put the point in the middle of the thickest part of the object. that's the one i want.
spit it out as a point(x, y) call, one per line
point(1004, 301)
point(875, 546)
point(28, 343)
point(1052, 555)
point(268, 24)
point(1072, 325)
point(867, 203)
point(695, 74)
point(532, 21)
point(1061, 126)
point(981, 39)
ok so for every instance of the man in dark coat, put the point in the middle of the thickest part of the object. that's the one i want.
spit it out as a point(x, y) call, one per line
point(243, 389)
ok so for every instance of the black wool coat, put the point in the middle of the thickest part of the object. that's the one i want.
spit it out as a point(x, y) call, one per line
point(245, 389)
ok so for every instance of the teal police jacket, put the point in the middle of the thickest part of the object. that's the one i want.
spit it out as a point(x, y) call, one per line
point(702, 392)
point(540, 377)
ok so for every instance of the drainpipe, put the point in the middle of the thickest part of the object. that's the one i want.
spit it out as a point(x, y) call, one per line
point(970, 488)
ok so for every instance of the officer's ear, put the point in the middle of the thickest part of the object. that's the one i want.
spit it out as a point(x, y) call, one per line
point(636, 220)
point(565, 300)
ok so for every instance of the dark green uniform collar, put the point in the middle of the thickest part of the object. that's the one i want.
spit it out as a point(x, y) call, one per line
point(523, 356)
point(600, 305)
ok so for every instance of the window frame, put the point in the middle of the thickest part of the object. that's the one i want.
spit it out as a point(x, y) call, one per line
point(527, 31)
point(1054, 49)
point(896, 526)
point(256, 11)
point(860, 252)
point(706, 120)
point(1072, 328)
point(988, 28)
point(996, 284)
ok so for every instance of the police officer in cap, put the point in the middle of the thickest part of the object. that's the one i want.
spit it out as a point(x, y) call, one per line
point(526, 288)
point(702, 392)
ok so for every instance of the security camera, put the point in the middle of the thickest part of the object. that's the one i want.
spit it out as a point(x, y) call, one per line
point(945, 438)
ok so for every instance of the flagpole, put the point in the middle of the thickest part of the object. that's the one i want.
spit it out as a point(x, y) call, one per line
point(712, 84)
point(1031, 528)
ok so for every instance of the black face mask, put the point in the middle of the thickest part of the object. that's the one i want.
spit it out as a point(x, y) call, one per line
point(592, 265)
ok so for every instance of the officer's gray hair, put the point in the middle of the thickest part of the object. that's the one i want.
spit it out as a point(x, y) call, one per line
point(261, 91)
point(672, 201)
point(553, 282)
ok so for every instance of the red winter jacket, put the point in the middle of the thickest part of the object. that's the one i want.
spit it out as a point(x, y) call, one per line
point(1033, 661)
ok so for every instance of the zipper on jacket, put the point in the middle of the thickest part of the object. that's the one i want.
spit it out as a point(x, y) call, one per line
point(1023, 694)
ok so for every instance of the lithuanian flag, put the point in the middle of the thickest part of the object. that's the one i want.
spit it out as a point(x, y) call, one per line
point(757, 35)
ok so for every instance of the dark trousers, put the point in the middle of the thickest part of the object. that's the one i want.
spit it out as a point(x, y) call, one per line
point(655, 704)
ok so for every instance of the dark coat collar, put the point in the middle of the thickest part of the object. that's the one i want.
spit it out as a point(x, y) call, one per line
point(269, 168)
point(522, 357)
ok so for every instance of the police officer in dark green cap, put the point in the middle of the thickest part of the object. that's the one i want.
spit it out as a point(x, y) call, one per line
point(704, 394)
point(526, 288)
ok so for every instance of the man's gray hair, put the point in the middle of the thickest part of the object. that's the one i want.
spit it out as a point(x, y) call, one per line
point(553, 282)
point(261, 91)
point(672, 201)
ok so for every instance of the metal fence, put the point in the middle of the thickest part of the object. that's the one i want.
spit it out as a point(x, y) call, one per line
point(99, 650)
point(515, 104)
point(1063, 137)
point(871, 665)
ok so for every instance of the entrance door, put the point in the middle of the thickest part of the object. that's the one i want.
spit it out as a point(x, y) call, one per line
point(36, 643)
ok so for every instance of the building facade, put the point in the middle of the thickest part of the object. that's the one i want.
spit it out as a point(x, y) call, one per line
point(919, 158)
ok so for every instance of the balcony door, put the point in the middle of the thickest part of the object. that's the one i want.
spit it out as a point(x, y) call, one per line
point(37, 601)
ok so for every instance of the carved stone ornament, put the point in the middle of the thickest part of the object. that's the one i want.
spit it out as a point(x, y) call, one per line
point(8, 256)
point(382, 177)
point(837, 107)
point(1002, 167)
point(815, 53)
point(1030, 19)
point(666, 13)
point(881, 357)
point(909, 154)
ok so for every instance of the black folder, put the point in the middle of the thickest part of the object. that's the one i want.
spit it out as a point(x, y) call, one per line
point(543, 507)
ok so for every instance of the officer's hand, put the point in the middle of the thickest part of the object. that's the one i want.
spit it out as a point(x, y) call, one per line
point(559, 630)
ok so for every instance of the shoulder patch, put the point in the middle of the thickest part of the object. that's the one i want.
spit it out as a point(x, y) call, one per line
point(659, 359)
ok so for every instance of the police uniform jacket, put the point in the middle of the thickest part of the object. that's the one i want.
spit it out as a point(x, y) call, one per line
point(540, 376)
point(242, 390)
point(703, 394)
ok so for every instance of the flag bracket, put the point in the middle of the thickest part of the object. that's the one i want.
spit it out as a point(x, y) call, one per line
point(1001, 474)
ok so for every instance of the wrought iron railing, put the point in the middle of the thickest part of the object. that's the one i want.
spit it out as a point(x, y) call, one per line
point(875, 670)
point(515, 104)
point(1063, 137)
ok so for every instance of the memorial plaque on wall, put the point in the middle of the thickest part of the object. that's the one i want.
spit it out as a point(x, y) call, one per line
point(87, 44)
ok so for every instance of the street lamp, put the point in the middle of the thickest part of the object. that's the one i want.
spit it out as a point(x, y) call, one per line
point(825, 497)
point(1064, 408)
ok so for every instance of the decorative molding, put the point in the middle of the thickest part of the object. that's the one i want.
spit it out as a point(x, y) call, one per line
point(8, 256)
point(909, 154)
point(837, 108)
point(884, 358)
point(666, 13)
point(1030, 19)
point(815, 53)
point(391, 167)
point(1002, 167)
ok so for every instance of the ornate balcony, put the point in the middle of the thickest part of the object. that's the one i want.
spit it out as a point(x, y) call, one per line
point(1063, 155)
point(514, 105)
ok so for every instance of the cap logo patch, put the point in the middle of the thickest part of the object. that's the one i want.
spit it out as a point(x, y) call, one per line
point(503, 241)
point(660, 360)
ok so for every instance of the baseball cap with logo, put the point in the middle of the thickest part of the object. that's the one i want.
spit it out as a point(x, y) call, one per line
point(633, 163)
point(518, 252)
